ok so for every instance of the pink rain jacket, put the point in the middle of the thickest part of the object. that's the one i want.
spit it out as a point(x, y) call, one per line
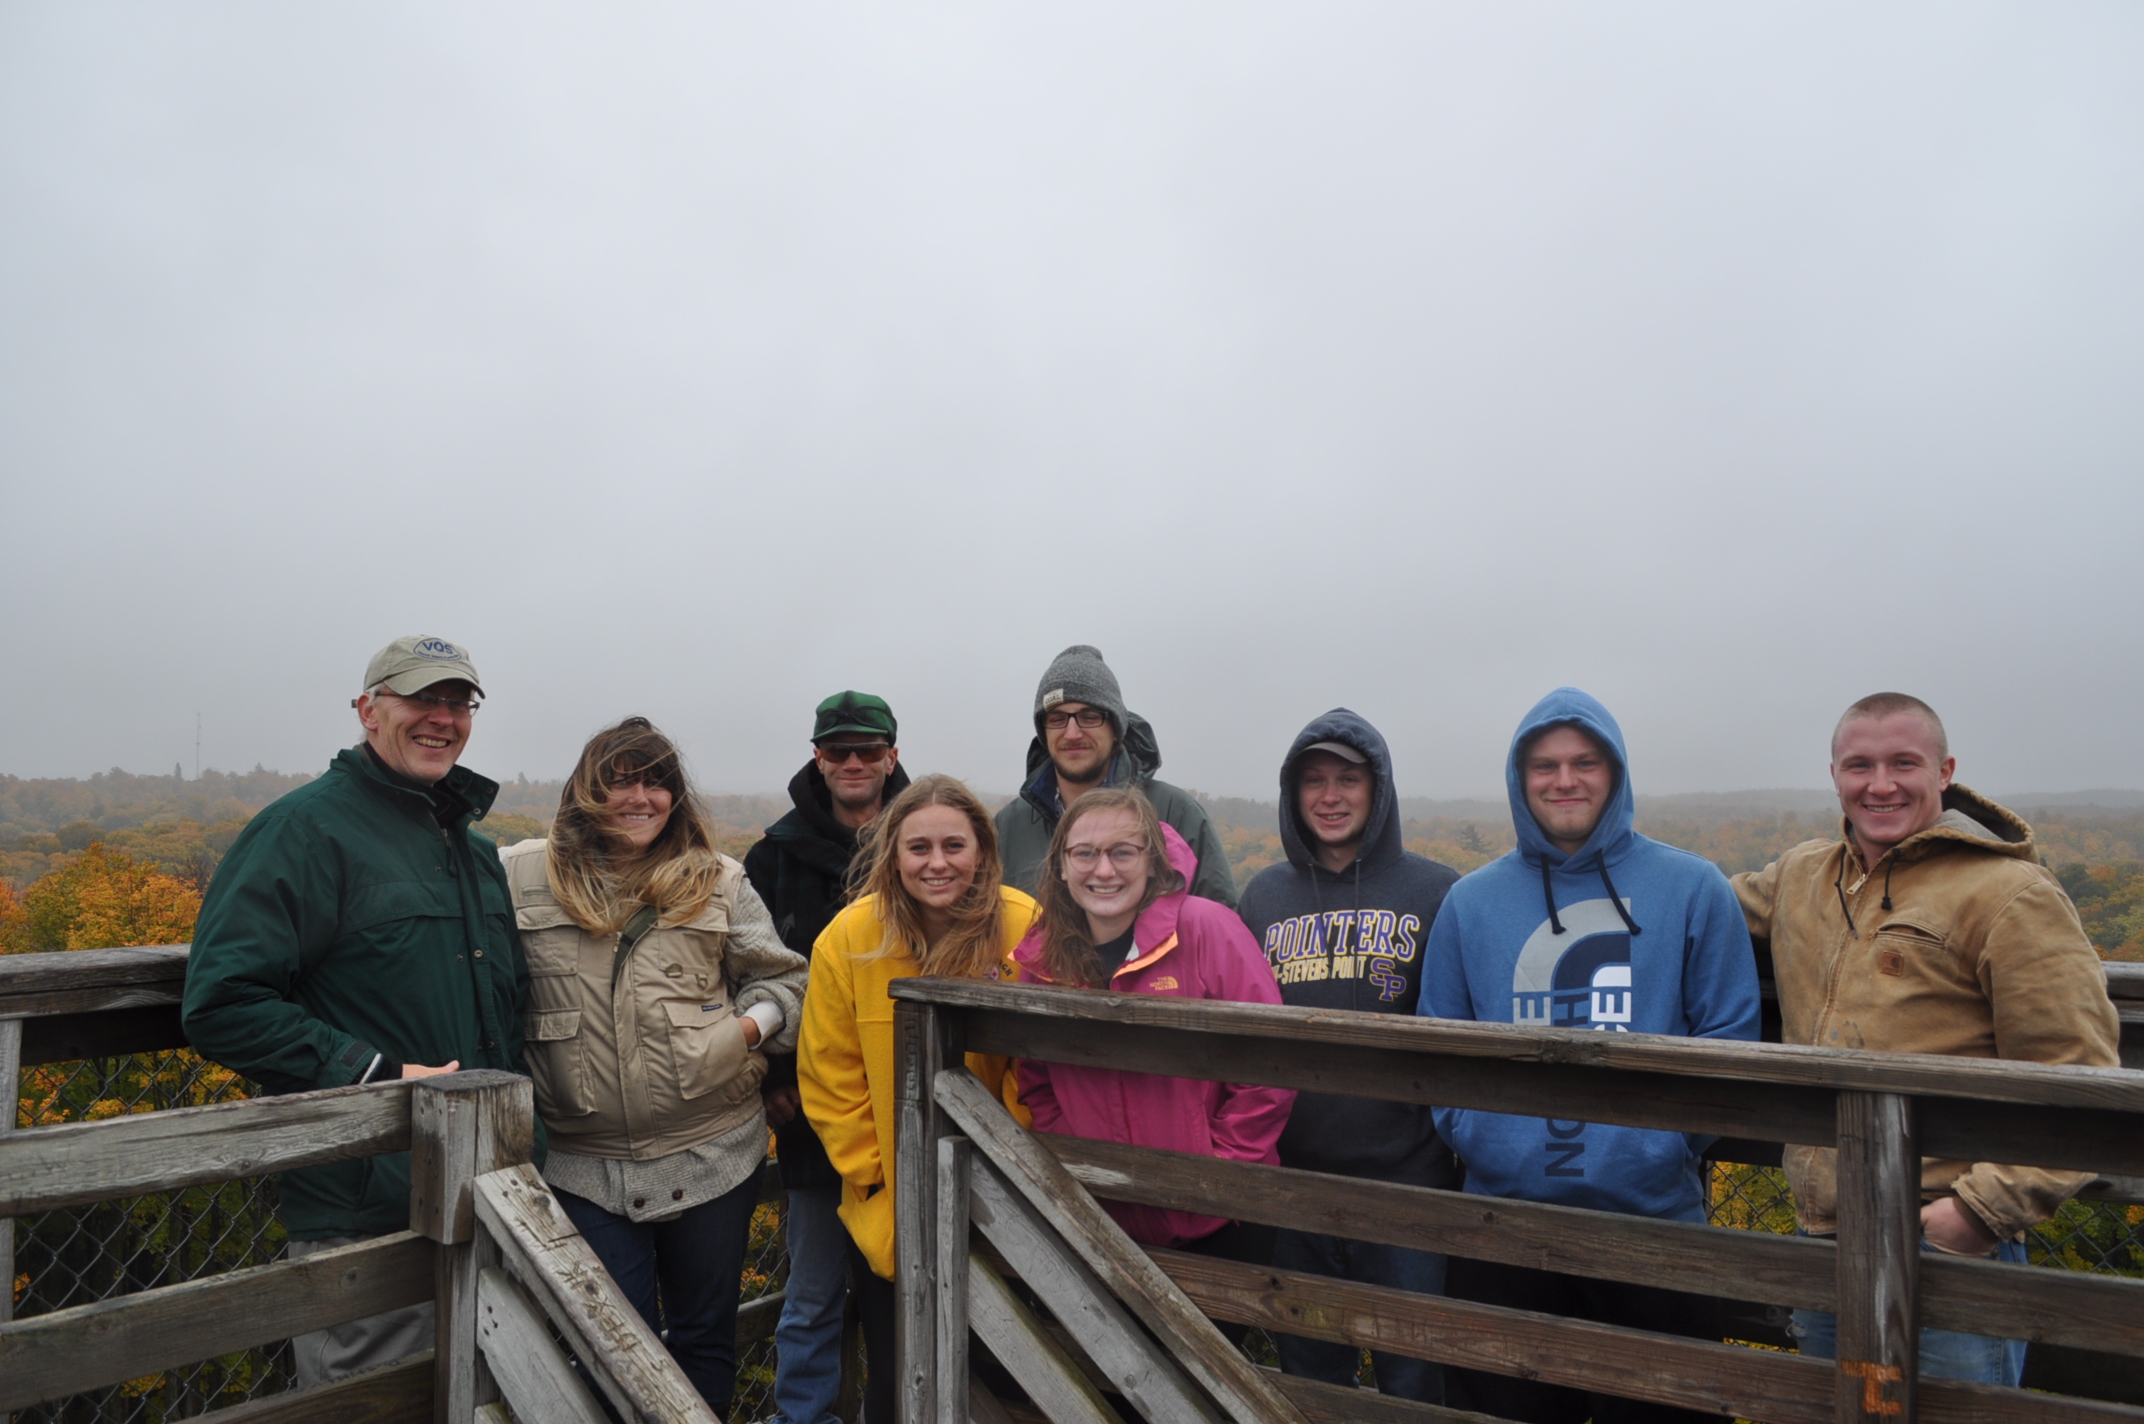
point(1188, 948)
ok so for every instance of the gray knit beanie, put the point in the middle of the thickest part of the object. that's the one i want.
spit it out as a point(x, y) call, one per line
point(1080, 675)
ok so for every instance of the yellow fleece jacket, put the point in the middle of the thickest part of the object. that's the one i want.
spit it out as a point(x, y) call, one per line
point(845, 1068)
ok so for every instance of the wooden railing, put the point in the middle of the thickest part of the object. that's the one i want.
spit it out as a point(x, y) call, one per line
point(965, 1171)
point(487, 1240)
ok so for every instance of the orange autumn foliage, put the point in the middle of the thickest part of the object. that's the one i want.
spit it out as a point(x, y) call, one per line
point(103, 900)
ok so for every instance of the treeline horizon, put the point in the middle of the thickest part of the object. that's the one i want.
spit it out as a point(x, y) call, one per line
point(183, 826)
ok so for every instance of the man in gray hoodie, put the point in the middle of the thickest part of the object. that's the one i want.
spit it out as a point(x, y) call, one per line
point(1344, 921)
point(1085, 738)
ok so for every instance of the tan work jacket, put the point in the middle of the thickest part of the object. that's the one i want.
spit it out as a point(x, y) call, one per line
point(1980, 955)
point(660, 1064)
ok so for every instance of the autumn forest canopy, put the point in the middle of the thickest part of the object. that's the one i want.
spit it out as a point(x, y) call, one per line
point(118, 858)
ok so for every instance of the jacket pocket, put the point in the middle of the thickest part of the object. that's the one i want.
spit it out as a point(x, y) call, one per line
point(707, 1044)
point(558, 1063)
point(551, 941)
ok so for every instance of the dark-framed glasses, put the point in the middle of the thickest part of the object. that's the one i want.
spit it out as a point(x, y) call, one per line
point(1088, 717)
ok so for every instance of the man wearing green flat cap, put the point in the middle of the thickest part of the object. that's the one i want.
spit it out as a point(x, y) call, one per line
point(360, 931)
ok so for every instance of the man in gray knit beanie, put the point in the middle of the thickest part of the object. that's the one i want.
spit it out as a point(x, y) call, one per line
point(1084, 738)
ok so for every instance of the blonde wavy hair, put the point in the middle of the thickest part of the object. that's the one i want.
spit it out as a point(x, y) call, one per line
point(600, 883)
point(974, 944)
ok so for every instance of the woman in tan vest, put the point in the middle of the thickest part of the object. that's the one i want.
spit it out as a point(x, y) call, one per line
point(656, 986)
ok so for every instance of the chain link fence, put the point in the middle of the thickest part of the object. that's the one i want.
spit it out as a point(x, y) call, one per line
point(93, 1253)
point(88, 1254)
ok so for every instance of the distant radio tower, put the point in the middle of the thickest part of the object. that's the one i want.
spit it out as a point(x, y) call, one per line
point(197, 746)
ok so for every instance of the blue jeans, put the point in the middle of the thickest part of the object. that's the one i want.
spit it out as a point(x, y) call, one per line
point(1945, 1354)
point(807, 1342)
point(1401, 1376)
point(682, 1274)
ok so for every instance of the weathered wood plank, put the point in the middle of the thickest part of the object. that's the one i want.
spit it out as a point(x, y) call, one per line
point(950, 1336)
point(463, 1125)
point(2077, 1309)
point(1324, 1403)
point(532, 1375)
point(1125, 1271)
point(1955, 1402)
point(983, 1406)
point(109, 1033)
point(63, 971)
point(2125, 982)
point(2091, 1138)
point(1691, 1374)
point(1123, 1354)
point(1591, 1092)
point(494, 1414)
point(1878, 1259)
point(90, 1001)
point(1754, 1265)
point(11, 1084)
point(400, 1393)
point(1789, 1065)
point(77, 1163)
point(1043, 1369)
point(922, 1046)
point(540, 1248)
point(91, 1346)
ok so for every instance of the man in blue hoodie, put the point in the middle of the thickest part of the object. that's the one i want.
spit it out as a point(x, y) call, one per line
point(1343, 923)
point(1586, 925)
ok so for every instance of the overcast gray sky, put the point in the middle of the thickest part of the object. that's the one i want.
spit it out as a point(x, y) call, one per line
point(700, 360)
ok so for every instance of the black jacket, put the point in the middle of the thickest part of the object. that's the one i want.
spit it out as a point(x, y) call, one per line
point(800, 869)
point(1352, 940)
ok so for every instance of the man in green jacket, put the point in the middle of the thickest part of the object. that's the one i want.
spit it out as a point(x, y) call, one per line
point(1085, 738)
point(360, 931)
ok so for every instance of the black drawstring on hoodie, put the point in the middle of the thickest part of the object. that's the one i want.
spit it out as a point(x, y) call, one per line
point(1617, 900)
point(1838, 885)
point(1548, 897)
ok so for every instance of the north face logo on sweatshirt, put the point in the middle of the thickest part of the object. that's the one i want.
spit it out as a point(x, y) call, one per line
point(1580, 978)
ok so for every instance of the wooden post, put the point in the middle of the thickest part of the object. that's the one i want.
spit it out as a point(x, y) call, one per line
point(11, 1081)
point(923, 1043)
point(462, 1125)
point(1879, 1186)
point(951, 1373)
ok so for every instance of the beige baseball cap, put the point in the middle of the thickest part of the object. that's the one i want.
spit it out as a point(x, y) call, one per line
point(414, 663)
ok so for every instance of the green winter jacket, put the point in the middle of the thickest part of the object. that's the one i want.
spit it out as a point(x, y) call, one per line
point(348, 922)
point(1026, 823)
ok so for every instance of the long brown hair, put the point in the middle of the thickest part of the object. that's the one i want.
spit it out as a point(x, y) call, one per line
point(599, 887)
point(1068, 955)
point(974, 944)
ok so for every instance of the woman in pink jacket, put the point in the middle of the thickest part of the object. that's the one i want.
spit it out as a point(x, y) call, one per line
point(1116, 914)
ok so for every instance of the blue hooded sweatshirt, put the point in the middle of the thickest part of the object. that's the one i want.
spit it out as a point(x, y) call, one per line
point(1627, 935)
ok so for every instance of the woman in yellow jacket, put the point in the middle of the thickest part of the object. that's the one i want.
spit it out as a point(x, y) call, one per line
point(931, 904)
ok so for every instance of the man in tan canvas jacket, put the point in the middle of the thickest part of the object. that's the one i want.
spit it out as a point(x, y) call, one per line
point(1929, 926)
